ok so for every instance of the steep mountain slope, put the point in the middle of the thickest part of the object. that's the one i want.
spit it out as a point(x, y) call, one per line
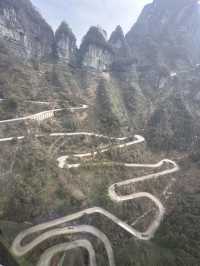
point(165, 41)
point(146, 83)
point(167, 32)
point(24, 30)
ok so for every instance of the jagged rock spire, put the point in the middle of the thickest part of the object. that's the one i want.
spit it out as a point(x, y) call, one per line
point(64, 30)
point(95, 36)
point(65, 42)
point(95, 51)
point(117, 37)
point(119, 43)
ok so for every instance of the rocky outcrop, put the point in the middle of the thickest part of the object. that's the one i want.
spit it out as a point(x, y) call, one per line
point(95, 52)
point(119, 43)
point(168, 31)
point(123, 60)
point(24, 30)
point(65, 43)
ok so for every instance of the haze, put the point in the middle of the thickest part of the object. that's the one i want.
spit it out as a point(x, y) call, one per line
point(81, 14)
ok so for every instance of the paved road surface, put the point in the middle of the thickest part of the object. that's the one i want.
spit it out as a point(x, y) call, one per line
point(45, 259)
point(49, 230)
point(19, 250)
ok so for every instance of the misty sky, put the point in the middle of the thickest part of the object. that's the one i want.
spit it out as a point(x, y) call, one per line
point(81, 14)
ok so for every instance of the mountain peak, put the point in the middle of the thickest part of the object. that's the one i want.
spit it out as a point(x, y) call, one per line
point(65, 43)
point(65, 29)
point(119, 30)
point(95, 52)
point(116, 35)
point(174, 2)
point(119, 43)
point(95, 36)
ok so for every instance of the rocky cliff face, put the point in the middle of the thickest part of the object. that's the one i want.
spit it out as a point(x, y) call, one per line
point(119, 43)
point(65, 43)
point(166, 31)
point(166, 38)
point(95, 52)
point(23, 29)
point(27, 35)
point(169, 31)
point(123, 60)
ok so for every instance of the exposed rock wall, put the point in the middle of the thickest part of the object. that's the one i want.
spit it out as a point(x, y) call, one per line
point(119, 43)
point(95, 52)
point(97, 58)
point(167, 31)
point(24, 30)
point(65, 43)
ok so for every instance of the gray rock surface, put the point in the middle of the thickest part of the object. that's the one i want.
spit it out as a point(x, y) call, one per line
point(95, 52)
point(65, 43)
point(167, 31)
point(119, 43)
point(24, 30)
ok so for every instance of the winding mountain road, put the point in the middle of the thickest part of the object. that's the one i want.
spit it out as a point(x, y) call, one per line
point(19, 250)
point(48, 230)
point(62, 160)
point(149, 233)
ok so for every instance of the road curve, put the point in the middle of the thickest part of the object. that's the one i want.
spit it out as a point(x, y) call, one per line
point(19, 250)
point(62, 160)
point(149, 233)
point(45, 259)
point(49, 230)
